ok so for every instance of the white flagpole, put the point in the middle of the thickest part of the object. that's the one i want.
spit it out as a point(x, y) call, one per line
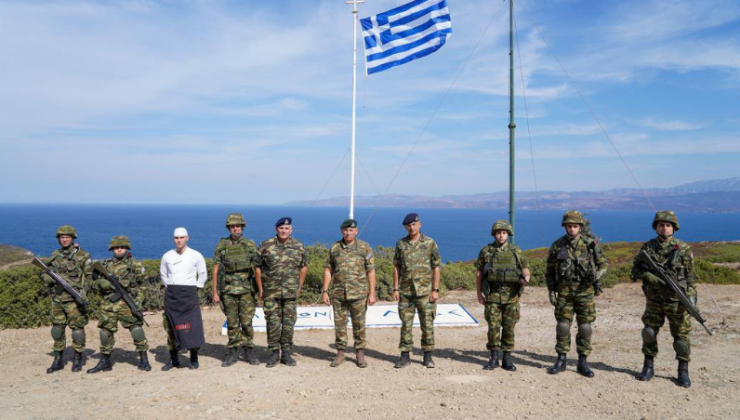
point(354, 106)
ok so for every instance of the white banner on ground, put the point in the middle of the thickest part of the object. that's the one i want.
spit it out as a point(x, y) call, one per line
point(378, 316)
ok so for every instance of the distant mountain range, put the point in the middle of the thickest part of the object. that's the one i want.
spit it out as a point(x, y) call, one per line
point(714, 196)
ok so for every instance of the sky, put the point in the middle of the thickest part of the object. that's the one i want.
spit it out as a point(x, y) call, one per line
point(249, 102)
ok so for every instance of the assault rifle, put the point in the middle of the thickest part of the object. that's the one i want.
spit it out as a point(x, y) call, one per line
point(120, 291)
point(62, 282)
point(644, 258)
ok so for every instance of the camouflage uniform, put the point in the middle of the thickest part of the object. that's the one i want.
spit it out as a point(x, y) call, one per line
point(502, 267)
point(350, 289)
point(237, 259)
point(281, 265)
point(416, 262)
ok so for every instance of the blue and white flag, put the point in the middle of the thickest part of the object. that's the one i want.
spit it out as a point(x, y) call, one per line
point(405, 33)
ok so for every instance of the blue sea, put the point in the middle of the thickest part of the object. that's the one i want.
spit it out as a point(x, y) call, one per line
point(460, 233)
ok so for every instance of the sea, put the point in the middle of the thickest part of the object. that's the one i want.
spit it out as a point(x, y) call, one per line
point(460, 233)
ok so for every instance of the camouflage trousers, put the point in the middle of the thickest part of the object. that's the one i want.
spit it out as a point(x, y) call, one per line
point(579, 301)
point(63, 314)
point(356, 309)
point(656, 311)
point(280, 315)
point(407, 307)
point(501, 319)
point(110, 314)
point(239, 311)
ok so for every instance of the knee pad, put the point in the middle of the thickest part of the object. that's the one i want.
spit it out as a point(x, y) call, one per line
point(682, 348)
point(648, 335)
point(137, 333)
point(105, 335)
point(563, 328)
point(78, 336)
point(585, 331)
point(57, 332)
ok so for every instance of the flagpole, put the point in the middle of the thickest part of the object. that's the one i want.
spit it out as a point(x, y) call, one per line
point(354, 107)
point(512, 124)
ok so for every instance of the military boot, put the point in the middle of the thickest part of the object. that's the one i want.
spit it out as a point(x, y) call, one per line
point(194, 360)
point(77, 362)
point(57, 364)
point(144, 362)
point(250, 357)
point(286, 358)
point(583, 368)
point(173, 363)
point(361, 362)
point(403, 361)
point(103, 365)
point(506, 363)
point(559, 365)
point(338, 359)
point(274, 358)
point(648, 371)
point(231, 358)
point(683, 374)
point(428, 361)
point(492, 361)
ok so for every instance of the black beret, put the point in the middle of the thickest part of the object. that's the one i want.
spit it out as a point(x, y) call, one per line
point(349, 223)
point(284, 221)
point(410, 218)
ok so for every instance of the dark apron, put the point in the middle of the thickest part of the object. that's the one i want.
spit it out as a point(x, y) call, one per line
point(182, 306)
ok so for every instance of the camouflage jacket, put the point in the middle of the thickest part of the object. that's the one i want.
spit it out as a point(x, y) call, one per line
point(681, 269)
point(574, 262)
point(236, 260)
point(75, 266)
point(130, 273)
point(349, 265)
point(500, 281)
point(416, 262)
point(281, 267)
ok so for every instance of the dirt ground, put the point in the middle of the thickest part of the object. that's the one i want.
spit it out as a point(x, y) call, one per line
point(456, 389)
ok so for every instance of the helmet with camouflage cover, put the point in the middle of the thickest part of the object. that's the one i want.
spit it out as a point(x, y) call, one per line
point(66, 230)
point(119, 241)
point(502, 225)
point(235, 219)
point(573, 217)
point(667, 216)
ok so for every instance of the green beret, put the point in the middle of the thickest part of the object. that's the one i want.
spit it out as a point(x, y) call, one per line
point(349, 223)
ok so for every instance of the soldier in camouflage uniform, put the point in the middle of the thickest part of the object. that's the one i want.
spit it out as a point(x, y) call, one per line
point(234, 286)
point(350, 267)
point(416, 263)
point(500, 277)
point(678, 260)
point(575, 264)
point(281, 271)
point(74, 265)
point(132, 276)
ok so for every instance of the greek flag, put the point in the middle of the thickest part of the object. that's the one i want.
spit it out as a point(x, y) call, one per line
point(405, 33)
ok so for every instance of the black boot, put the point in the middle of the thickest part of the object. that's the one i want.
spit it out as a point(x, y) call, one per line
point(559, 365)
point(77, 362)
point(286, 359)
point(274, 358)
point(506, 363)
point(144, 362)
point(173, 363)
point(194, 360)
point(103, 365)
point(251, 358)
point(648, 370)
point(428, 361)
point(231, 358)
point(492, 361)
point(57, 364)
point(583, 368)
point(403, 361)
point(683, 374)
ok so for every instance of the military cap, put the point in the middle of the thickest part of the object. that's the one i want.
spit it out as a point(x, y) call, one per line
point(410, 218)
point(573, 217)
point(284, 221)
point(349, 223)
point(121, 241)
point(666, 216)
point(66, 230)
point(502, 225)
point(235, 219)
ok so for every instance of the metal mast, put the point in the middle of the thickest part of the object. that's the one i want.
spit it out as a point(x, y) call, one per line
point(355, 18)
point(512, 125)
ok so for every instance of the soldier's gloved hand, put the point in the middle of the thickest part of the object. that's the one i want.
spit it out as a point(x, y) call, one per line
point(597, 289)
point(692, 295)
point(652, 279)
point(553, 297)
point(47, 279)
point(104, 285)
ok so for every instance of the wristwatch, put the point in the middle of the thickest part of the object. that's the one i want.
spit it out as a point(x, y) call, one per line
point(395, 290)
point(435, 290)
point(324, 291)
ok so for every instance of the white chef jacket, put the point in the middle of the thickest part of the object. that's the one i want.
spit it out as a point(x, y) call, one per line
point(186, 269)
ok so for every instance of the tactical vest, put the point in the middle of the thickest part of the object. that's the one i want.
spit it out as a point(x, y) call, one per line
point(575, 269)
point(236, 257)
point(126, 275)
point(673, 264)
point(503, 267)
point(68, 267)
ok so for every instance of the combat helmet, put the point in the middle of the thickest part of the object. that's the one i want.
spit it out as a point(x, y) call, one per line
point(502, 225)
point(235, 219)
point(573, 217)
point(667, 216)
point(119, 241)
point(67, 230)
